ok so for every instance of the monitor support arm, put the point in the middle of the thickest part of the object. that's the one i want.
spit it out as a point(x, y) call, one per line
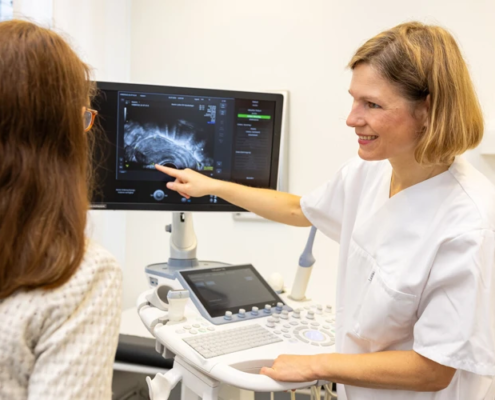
point(183, 242)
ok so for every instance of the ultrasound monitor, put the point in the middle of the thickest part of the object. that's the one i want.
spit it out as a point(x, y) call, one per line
point(229, 135)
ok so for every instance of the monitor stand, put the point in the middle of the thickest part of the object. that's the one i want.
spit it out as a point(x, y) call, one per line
point(183, 246)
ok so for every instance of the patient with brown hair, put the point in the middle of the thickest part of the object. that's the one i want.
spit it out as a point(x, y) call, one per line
point(60, 293)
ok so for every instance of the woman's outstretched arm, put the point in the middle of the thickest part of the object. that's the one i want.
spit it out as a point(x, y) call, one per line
point(270, 204)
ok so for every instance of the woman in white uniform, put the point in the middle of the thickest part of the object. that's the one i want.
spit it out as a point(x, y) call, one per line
point(416, 227)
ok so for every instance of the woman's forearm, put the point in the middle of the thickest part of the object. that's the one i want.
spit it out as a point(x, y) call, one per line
point(404, 370)
point(276, 206)
point(270, 204)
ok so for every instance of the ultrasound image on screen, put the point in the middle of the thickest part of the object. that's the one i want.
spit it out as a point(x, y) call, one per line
point(177, 135)
point(175, 145)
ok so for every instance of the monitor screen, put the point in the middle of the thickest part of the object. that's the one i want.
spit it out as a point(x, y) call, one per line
point(229, 289)
point(233, 136)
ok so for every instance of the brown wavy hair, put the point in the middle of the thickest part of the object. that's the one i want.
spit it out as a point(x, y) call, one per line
point(425, 60)
point(44, 158)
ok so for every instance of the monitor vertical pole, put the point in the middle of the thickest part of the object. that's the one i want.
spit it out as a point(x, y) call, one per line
point(183, 246)
point(183, 242)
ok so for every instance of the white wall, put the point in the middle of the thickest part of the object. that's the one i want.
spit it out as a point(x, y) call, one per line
point(39, 11)
point(286, 44)
point(100, 32)
point(6, 10)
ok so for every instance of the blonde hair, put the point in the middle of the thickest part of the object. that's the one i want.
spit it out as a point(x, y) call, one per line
point(424, 60)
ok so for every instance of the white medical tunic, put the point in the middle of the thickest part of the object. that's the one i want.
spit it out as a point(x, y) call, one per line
point(416, 271)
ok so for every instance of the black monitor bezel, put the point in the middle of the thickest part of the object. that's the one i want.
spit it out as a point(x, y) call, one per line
point(277, 141)
point(220, 313)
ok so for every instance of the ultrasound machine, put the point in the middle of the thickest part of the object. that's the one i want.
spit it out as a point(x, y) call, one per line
point(220, 323)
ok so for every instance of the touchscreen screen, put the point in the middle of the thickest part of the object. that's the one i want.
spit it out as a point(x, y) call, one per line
point(230, 288)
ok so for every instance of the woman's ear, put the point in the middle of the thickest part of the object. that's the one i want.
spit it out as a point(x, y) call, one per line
point(423, 113)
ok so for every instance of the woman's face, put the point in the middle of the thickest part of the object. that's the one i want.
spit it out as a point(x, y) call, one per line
point(387, 125)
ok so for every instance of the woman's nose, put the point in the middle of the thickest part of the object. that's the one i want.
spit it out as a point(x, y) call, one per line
point(354, 118)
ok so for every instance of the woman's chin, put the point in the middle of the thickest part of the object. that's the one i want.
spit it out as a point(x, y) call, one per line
point(369, 156)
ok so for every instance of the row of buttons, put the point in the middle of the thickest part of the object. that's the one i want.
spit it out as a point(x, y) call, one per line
point(195, 328)
point(255, 311)
point(314, 336)
point(271, 322)
point(312, 324)
point(298, 316)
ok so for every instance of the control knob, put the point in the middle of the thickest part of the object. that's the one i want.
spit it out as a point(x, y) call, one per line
point(159, 195)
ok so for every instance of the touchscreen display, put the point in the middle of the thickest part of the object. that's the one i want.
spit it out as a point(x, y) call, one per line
point(230, 288)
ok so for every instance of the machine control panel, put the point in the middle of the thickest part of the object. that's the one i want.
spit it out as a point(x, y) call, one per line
point(311, 325)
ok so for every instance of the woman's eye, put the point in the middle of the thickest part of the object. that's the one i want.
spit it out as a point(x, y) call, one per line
point(373, 105)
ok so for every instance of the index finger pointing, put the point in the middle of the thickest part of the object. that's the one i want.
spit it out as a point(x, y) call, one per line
point(169, 171)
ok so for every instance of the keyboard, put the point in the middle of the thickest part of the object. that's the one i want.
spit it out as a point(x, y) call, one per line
point(228, 341)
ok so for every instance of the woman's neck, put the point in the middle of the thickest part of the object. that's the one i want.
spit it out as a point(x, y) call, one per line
point(407, 173)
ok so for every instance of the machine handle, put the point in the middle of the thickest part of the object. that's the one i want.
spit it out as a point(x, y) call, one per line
point(255, 382)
